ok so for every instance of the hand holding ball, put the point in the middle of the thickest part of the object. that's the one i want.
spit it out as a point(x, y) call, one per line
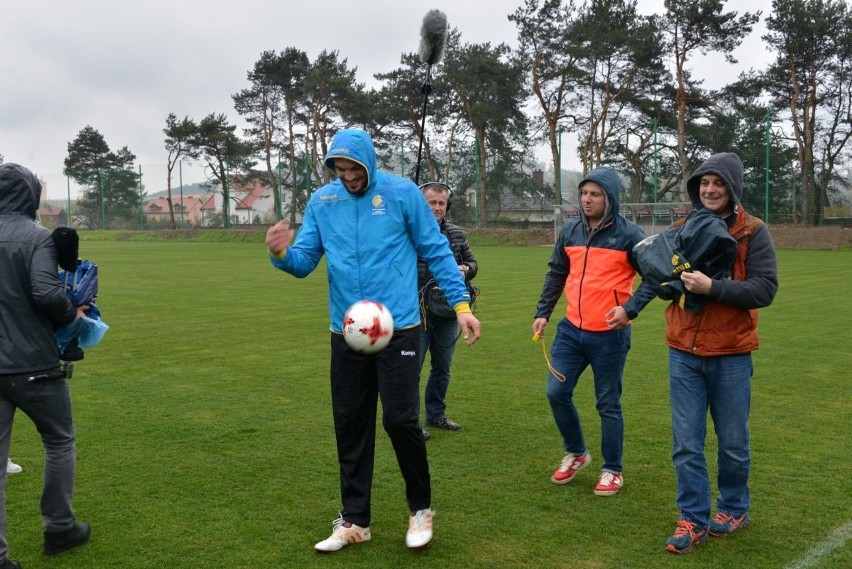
point(367, 326)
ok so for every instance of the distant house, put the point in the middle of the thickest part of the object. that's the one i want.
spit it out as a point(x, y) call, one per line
point(52, 217)
point(188, 209)
point(208, 208)
point(251, 201)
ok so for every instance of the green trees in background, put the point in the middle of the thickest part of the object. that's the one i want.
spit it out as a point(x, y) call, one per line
point(179, 139)
point(619, 83)
point(487, 84)
point(292, 107)
point(218, 145)
point(811, 79)
point(112, 193)
point(698, 26)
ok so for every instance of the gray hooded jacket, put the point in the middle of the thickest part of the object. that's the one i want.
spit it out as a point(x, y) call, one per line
point(761, 267)
point(33, 301)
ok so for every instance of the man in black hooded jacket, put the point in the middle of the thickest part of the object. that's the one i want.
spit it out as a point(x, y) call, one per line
point(33, 303)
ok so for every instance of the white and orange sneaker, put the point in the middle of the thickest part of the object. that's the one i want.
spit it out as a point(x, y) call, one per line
point(344, 533)
point(571, 464)
point(419, 529)
point(609, 483)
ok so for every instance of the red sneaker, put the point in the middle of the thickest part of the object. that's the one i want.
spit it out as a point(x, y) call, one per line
point(571, 464)
point(609, 484)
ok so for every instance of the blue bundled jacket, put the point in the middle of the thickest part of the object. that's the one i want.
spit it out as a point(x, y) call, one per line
point(372, 240)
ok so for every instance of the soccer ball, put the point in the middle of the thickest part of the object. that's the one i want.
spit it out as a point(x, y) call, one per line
point(367, 326)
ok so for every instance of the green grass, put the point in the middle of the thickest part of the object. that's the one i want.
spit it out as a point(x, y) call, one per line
point(205, 436)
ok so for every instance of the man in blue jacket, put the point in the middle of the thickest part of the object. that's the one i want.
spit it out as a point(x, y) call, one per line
point(372, 226)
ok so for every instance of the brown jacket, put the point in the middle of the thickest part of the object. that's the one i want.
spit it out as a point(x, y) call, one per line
point(726, 328)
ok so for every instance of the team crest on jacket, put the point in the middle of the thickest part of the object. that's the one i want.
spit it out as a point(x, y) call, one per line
point(378, 205)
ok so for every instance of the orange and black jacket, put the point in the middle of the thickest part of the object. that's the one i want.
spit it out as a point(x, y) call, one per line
point(595, 268)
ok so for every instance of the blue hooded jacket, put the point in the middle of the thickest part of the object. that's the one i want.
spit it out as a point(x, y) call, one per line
point(372, 240)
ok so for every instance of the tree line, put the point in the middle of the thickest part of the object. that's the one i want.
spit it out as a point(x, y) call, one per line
point(618, 81)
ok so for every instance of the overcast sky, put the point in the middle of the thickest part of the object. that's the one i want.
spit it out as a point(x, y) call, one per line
point(122, 67)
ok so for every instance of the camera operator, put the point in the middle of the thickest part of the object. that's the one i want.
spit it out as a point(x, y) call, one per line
point(33, 303)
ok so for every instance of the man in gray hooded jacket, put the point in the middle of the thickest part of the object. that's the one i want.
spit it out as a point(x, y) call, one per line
point(710, 362)
point(33, 303)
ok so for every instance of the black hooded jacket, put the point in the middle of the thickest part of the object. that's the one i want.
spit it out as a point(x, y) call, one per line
point(32, 302)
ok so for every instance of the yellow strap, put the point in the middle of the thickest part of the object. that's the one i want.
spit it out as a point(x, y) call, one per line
point(556, 374)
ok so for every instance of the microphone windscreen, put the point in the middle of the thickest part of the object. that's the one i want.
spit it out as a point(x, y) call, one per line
point(67, 243)
point(433, 37)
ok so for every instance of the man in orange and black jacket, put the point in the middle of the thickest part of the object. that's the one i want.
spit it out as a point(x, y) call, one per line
point(593, 265)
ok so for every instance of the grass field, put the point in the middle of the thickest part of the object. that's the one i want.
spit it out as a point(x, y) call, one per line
point(205, 437)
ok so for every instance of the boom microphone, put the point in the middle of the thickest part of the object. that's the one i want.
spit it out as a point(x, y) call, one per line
point(433, 40)
point(433, 37)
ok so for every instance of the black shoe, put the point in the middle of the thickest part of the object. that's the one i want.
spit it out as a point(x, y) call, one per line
point(9, 564)
point(59, 541)
point(444, 423)
point(426, 435)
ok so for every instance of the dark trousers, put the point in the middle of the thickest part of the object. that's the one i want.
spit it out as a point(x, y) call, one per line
point(357, 381)
point(48, 404)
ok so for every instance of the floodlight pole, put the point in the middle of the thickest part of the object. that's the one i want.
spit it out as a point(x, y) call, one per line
point(180, 178)
point(141, 202)
point(766, 176)
point(103, 204)
point(68, 184)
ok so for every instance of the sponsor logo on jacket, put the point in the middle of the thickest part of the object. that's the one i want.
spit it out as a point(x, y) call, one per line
point(378, 205)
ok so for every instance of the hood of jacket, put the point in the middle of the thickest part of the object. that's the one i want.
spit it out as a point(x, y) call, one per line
point(356, 145)
point(20, 191)
point(727, 166)
point(607, 178)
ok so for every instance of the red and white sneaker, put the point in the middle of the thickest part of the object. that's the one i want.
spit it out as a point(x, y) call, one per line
point(343, 534)
point(609, 484)
point(571, 464)
point(419, 529)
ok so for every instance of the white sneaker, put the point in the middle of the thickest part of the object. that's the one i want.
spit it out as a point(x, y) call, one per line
point(419, 529)
point(12, 468)
point(343, 535)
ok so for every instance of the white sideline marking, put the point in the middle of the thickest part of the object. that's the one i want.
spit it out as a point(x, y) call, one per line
point(824, 548)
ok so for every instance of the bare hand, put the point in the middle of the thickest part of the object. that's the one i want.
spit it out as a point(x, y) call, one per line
point(279, 237)
point(538, 326)
point(469, 323)
point(617, 318)
point(696, 282)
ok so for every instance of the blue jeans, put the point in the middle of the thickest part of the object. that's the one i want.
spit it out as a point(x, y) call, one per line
point(721, 384)
point(439, 339)
point(48, 404)
point(573, 350)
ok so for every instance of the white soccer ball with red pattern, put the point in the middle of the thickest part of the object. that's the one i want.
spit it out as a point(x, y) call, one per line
point(367, 326)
